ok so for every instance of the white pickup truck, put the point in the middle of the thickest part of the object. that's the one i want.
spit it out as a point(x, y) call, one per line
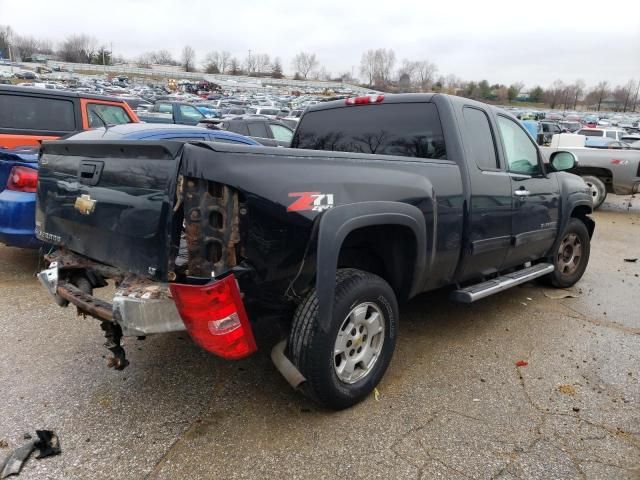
point(604, 170)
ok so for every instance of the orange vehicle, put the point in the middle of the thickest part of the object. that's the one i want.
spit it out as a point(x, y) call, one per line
point(29, 115)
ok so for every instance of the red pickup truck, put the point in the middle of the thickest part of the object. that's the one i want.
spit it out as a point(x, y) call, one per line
point(29, 115)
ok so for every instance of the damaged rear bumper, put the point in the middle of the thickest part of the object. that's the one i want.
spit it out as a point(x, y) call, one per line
point(140, 308)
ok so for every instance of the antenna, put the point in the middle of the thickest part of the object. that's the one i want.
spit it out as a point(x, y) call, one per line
point(106, 125)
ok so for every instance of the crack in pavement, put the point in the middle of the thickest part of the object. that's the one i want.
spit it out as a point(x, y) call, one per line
point(615, 432)
point(602, 323)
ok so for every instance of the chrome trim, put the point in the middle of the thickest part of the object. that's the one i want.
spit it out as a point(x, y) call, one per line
point(485, 289)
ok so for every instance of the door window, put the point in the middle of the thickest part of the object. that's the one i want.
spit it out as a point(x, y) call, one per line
point(191, 113)
point(111, 114)
point(281, 133)
point(258, 129)
point(520, 152)
point(480, 138)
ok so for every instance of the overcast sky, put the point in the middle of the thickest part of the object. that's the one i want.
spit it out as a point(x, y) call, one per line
point(534, 42)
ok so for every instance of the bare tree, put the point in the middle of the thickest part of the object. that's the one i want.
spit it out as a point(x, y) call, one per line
point(145, 60)
point(163, 57)
point(555, 93)
point(368, 65)
point(452, 83)
point(224, 61)
point(636, 96)
point(78, 48)
point(250, 63)
point(188, 58)
point(385, 60)
point(6, 34)
point(25, 46)
point(408, 70)
point(321, 74)
point(623, 94)
point(211, 62)
point(303, 63)
point(598, 94)
point(578, 92)
point(262, 61)
point(234, 67)
point(426, 72)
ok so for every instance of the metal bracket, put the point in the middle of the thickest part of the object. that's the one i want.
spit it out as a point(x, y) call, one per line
point(49, 279)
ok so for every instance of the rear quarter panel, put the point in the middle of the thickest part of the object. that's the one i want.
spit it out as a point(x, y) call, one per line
point(278, 184)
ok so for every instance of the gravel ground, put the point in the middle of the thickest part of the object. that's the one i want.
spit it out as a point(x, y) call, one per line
point(452, 405)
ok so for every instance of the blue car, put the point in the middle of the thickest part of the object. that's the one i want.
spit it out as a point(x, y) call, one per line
point(19, 172)
point(18, 182)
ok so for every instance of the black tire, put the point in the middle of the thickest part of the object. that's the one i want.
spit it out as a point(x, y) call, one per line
point(598, 189)
point(312, 350)
point(563, 277)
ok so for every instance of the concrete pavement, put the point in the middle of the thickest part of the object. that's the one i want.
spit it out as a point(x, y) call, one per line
point(453, 403)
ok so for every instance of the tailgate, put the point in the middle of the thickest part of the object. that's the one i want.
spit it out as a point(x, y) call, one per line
point(109, 201)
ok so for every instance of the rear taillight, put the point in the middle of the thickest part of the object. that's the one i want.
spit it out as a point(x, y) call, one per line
point(364, 100)
point(23, 179)
point(215, 317)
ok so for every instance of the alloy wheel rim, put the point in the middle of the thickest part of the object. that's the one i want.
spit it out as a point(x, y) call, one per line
point(359, 342)
point(569, 254)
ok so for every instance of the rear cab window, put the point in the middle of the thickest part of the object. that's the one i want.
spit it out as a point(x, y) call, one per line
point(24, 112)
point(402, 129)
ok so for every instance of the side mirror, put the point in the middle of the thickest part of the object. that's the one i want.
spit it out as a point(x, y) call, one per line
point(563, 160)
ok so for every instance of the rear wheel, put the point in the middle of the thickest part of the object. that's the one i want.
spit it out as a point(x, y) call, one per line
point(597, 188)
point(572, 255)
point(342, 366)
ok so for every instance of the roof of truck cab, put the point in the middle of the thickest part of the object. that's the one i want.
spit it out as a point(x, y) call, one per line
point(41, 92)
point(388, 98)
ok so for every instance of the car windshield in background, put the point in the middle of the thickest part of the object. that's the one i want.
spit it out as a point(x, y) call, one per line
point(269, 111)
point(590, 133)
point(409, 130)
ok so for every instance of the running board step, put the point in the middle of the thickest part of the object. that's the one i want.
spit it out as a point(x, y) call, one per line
point(484, 289)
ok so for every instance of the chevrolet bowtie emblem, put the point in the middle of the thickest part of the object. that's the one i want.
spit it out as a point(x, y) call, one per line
point(85, 205)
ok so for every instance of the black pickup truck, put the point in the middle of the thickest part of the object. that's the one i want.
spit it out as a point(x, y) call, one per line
point(380, 198)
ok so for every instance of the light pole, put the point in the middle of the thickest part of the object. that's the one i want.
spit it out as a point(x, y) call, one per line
point(9, 48)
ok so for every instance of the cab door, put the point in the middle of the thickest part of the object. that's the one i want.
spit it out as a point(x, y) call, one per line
point(536, 196)
point(489, 230)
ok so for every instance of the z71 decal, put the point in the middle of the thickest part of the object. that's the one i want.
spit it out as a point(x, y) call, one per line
point(314, 201)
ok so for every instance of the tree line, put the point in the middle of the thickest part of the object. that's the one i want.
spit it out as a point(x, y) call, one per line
point(379, 69)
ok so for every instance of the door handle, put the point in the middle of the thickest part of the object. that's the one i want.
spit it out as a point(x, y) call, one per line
point(522, 193)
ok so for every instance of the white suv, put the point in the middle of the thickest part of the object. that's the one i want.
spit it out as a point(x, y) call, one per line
point(614, 133)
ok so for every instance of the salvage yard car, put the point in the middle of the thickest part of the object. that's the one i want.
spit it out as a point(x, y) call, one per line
point(18, 181)
point(380, 198)
point(605, 170)
point(30, 115)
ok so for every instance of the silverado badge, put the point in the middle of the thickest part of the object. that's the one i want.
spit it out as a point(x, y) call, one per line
point(85, 205)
